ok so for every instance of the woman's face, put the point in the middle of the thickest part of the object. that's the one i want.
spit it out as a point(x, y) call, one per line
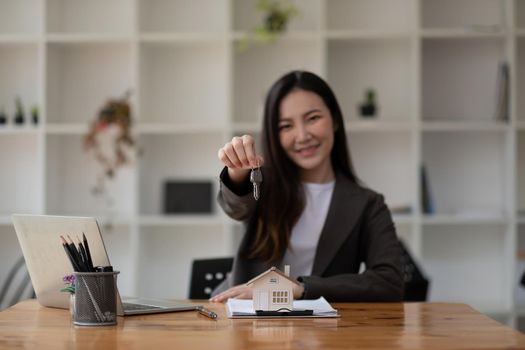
point(306, 133)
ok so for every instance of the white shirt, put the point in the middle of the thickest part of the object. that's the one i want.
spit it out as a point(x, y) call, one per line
point(306, 232)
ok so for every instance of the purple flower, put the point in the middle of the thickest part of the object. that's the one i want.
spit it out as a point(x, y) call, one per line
point(69, 279)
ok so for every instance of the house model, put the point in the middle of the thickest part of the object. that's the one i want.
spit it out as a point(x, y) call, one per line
point(273, 290)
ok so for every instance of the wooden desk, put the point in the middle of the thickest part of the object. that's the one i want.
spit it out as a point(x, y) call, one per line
point(362, 326)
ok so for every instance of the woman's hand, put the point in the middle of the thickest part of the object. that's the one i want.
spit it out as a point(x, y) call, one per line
point(239, 157)
point(240, 291)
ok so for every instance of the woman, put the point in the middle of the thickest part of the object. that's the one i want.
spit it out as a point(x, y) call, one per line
point(312, 213)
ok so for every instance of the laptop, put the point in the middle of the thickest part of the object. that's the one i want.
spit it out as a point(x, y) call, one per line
point(47, 263)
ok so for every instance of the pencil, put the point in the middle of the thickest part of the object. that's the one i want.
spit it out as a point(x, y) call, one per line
point(76, 255)
point(83, 255)
point(69, 255)
point(88, 253)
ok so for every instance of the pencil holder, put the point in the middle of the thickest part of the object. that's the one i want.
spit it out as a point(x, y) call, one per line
point(95, 298)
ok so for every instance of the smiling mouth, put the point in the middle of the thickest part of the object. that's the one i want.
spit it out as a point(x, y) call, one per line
point(307, 151)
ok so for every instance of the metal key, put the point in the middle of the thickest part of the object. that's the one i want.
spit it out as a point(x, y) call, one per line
point(256, 179)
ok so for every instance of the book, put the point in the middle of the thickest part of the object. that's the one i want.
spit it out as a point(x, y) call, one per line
point(243, 308)
point(427, 201)
point(502, 91)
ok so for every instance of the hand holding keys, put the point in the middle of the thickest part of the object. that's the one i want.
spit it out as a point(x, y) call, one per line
point(241, 159)
point(256, 180)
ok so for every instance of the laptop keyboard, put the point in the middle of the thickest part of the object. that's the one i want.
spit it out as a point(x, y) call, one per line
point(138, 307)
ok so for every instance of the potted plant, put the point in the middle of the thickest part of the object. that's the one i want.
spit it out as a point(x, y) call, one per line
point(276, 16)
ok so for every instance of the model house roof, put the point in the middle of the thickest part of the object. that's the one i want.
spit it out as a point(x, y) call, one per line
point(272, 269)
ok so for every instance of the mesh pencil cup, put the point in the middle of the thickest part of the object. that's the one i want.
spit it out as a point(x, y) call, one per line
point(95, 298)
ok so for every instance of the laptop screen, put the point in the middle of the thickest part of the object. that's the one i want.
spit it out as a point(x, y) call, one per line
point(46, 261)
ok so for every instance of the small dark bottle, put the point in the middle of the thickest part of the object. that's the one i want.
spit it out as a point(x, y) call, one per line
point(3, 117)
point(19, 115)
point(369, 108)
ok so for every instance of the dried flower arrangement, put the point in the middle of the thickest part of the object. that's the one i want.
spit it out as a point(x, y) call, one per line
point(110, 139)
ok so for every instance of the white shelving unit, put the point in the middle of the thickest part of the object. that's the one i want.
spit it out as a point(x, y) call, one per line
point(433, 64)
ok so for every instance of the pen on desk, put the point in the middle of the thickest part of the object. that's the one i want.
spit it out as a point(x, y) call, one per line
point(207, 313)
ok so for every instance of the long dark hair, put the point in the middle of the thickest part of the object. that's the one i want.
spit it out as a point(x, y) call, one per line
point(282, 198)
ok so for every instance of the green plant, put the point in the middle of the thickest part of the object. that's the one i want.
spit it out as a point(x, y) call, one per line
point(276, 16)
point(19, 114)
point(34, 114)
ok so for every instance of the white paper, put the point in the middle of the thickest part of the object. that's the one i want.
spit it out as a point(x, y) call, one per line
point(244, 307)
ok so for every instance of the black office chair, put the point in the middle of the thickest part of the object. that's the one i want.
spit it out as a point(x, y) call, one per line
point(416, 284)
point(17, 286)
point(206, 274)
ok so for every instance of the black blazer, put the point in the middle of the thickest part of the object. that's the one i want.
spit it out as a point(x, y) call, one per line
point(358, 229)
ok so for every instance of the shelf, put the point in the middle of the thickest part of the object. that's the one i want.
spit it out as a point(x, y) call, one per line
point(94, 16)
point(20, 71)
point(377, 154)
point(73, 176)
point(182, 16)
point(20, 17)
point(67, 128)
point(21, 175)
point(19, 130)
point(246, 17)
point(463, 260)
point(356, 66)
point(463, 14)
point(182, 85)
point(181, 37)
point(285, 37)
point(466, 33)
point(17, 39)
point(466, 171)
point(470, 126)
point(367, 35)
point(166, 158)
point(166, 128)
point(181, 220)
point(378, 126)
point(432, 63)
point(455, 219)
point(87, 38)
point(385, 15)
point(81, 77)
point(453, 68)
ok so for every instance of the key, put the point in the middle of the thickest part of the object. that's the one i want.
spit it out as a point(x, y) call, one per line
point(256, 179)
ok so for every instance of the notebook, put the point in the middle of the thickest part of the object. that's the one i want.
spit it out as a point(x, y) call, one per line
point(243, 308)
point(47, 263)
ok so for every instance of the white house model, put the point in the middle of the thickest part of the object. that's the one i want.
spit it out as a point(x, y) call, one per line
point(273, 290)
